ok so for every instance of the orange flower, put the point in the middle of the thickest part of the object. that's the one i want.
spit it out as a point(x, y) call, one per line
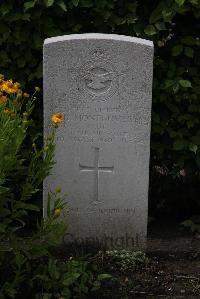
point(57, 118)
point(3, 99)
point(7, 110)
point(10, 87)
point(17, 84)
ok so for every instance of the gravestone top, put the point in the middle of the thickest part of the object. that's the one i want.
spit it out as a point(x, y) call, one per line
point(102, 84)
point(100, 36)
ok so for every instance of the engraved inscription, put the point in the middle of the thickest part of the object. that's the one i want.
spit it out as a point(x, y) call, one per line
point(96, 169)
point(129, 211)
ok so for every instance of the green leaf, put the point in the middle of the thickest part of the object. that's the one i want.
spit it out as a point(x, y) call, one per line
point(4, 58)
point(26, 206)
point(193, 108)
point(189, 52)
point(185, 83)
point(39, 71)
point(193, 148)
point(96, 286)
point(28, 5)
point(86, 3)
point(26, 17)
point(2, 228)
point(172, 107)
point(49, 3)
point(132, 7)
point(71, 279)
point(167, 84)
point(188, 40)
point(150, 30)
point(187, 223)
point(5, 8)
point(75, 2)
point(4, 28)
point(175, 88)
point(116, 20)
point(167, 14)
point(156, 117)
point(39, 251)
point(194, 2)
point(180, 2)
point(190, 123)
point(42, 277)
point(177, 50)
point(37, 39)
point(160, 26)
point(62, 5)
point(178, 145)
point(4, 212)
point(11, 291)
point(156, 14)
point(103, 276)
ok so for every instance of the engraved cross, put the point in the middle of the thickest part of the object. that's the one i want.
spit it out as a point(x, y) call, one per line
point(96, 169)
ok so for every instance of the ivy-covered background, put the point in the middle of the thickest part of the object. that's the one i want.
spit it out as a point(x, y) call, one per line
point(174, 27)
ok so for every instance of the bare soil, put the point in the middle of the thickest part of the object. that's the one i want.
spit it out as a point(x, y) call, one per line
point(173, 270)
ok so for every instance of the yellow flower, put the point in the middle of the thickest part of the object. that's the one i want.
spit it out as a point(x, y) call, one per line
point(57, 212)
point(17, 84)
point(10, 87)
point(57, 118)
point(16, 87)
point(6, 85)
point(3, 99)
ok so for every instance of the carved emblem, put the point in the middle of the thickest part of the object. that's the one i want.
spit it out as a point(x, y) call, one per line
point(98, 80)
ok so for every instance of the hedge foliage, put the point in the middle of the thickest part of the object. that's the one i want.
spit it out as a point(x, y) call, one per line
point(174, 27)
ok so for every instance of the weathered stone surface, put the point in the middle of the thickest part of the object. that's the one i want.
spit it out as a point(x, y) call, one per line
point(102, 84)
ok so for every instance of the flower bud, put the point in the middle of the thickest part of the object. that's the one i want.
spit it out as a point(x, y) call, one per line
point(57, 212)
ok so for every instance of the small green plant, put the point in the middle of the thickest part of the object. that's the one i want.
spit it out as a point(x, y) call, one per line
point(69, 279)
point(28, 268)
point(191, 225)
point(23, 166)
point(126, 260)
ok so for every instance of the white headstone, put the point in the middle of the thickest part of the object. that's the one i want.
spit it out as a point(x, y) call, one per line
point(102, 84)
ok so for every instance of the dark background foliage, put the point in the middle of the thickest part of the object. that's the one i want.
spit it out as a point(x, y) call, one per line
point(174, 27)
